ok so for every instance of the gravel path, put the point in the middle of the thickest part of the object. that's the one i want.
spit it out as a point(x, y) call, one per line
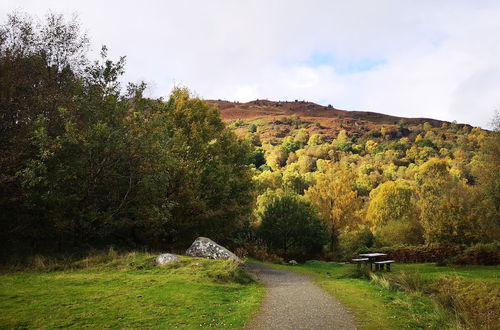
point(294, 302)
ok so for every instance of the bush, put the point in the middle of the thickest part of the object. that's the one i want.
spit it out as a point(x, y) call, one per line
point(482, 254)
point(479, 254)
point(422, 253)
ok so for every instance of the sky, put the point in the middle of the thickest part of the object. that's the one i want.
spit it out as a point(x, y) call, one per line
point(437, 59)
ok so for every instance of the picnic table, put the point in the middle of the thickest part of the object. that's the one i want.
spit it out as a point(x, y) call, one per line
point(371, 258)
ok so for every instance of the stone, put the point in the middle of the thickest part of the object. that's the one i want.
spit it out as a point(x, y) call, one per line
point(206, 248)
point(293, 262)
point(167, 258)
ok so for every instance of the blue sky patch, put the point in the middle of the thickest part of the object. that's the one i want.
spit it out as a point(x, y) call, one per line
point(343, 66)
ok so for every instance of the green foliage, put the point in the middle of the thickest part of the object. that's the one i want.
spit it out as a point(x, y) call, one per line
point(252, 128)
point(354, 241)
point(97, 166)
point(295, 182)
point(267, 180)
point(289, 145)
point(258, 157)
point(290, 226)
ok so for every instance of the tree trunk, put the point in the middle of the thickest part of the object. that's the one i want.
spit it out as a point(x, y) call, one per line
point(333, 240)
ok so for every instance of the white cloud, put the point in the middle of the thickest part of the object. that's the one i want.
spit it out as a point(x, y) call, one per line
point(439, 59)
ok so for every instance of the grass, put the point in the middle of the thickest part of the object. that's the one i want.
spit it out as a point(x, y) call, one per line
point(399, 300)
point(431, 271)
point(128, 291)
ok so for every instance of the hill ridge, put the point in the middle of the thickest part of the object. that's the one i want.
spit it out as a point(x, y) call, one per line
point(261, 108)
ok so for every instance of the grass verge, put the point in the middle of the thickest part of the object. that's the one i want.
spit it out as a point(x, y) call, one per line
point(128, 291)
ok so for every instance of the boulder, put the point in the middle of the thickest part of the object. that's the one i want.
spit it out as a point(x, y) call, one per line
point(293, 262)
point(167, 258)
point(206, 248)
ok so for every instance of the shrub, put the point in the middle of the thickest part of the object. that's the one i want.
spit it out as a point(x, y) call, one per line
point(479, 254)
point(482, 254)
point(422, 253)
point(252, 128)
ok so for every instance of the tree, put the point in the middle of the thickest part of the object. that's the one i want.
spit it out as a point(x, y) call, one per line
point(447, 205)
point(392, 213)
point(86, 164)
point(41, 65)
point(315, 140)
point(301, 137)
point(295, 182)
point(486, 168)
point(336, 201)
point(291, 226)
point(213, 186)
point(276, 158)
point(289, 145)
point(390, 201)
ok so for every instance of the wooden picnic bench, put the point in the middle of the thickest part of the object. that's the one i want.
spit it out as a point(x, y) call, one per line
point(379, 265)
point(359, 261)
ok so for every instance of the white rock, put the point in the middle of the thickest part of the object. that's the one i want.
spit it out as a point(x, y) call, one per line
point(167, 258)
point(206, 248)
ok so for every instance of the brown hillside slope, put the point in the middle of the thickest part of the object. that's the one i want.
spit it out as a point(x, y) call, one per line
point(264, 109)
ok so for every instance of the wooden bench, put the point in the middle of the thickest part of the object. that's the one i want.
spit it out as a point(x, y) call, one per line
point(358, 261)
point(379, 265)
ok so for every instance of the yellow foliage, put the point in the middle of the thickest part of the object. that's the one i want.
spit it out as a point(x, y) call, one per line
point(337, 203)
point(391, 201)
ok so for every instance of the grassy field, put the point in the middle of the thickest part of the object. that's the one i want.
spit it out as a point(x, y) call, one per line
point(407, 298)
point(128, 291)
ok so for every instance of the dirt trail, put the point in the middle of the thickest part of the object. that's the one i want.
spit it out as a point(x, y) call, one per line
point(294, 302)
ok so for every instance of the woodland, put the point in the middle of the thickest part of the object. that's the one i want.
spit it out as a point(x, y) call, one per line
point(89, 162)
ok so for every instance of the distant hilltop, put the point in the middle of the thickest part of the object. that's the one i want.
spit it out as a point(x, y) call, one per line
point(265, 109)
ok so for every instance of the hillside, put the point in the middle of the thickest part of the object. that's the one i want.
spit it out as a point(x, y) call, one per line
point(318, 119)
point(259, 109)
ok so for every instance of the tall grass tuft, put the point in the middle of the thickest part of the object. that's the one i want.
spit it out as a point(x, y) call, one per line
point(410, 282)
point(474, 304)
point(380, 280)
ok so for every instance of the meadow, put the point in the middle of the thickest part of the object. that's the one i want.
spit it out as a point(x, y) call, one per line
point(127, 291)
